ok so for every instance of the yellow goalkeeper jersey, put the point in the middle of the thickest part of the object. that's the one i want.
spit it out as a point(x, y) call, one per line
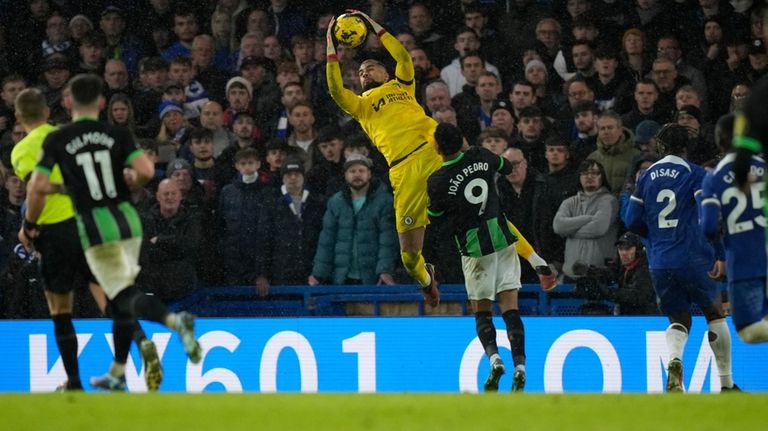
point(389, 114)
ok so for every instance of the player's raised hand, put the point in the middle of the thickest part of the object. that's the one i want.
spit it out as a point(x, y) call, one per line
point(376, 26)
point(330, 48)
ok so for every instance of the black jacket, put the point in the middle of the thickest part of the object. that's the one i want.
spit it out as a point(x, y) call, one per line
point(288, 243)
point(635, 295)
point(519, 209)
point(168, 265)
point(556, 188)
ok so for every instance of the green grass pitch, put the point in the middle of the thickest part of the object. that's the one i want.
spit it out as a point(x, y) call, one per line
point(315, 412)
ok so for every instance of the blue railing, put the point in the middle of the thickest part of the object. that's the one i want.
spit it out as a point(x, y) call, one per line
point(302, 300)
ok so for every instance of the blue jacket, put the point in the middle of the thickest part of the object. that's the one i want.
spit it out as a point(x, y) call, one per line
point(371, 231)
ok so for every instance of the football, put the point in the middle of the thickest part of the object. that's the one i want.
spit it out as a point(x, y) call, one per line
point(350, 30)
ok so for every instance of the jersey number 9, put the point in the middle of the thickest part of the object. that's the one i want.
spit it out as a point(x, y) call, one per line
point(477, 199)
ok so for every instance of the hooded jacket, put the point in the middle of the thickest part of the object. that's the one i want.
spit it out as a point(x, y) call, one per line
point(589, 224)
point(616, 159)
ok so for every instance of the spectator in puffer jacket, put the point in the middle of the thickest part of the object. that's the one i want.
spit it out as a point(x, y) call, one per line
point(358, 243)
point(240, 205)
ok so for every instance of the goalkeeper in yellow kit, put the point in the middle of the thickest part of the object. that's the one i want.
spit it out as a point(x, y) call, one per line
point(388, 112)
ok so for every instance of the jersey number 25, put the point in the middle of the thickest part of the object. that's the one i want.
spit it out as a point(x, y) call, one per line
point(756, 196)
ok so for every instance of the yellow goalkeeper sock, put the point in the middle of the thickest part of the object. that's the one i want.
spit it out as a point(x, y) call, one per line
point(522, 246)
point(416, 267)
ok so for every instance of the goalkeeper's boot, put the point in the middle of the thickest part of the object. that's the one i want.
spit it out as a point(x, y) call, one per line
point(153, 370)
point(108, 382)
point(675, 375)
point(431, 293)
point(492, 382)
point(518, 379)
point(547, 277)
point(185, 325)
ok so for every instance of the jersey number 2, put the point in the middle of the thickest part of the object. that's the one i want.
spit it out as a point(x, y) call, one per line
point(668, 196)
point(88, 162)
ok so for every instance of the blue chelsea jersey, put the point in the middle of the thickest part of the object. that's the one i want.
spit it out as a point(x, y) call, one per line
point(664, 209)
point(738, 216)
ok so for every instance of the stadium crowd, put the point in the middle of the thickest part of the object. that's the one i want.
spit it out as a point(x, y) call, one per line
point(261, 180)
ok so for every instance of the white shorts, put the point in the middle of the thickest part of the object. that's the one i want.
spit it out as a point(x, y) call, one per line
point(115, 264)
point(486, 276)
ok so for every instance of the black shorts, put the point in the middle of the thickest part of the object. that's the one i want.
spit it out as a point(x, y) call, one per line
point(62, 261)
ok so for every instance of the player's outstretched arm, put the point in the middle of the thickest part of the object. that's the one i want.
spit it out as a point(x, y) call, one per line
point(143, 170)
point(404, 69)
point(37, 186)
point(346, 99)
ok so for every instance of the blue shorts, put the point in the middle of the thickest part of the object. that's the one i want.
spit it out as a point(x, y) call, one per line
point(748, 301)
point(678, 288)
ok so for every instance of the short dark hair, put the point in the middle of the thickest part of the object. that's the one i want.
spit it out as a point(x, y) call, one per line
point(646, 81)
point(200, 133)
point(449, 138)
point(247, 153)
point(531, 112)
point(589, 44)
point(465, 29)
point(358, 140)
point(329, 133)
point(148, 144)
point(584, 106)
point(86, 89)
point(13, 77)
point(606, 52)
point(151, 64)
point(180, 59)
point(557, 141)
point(471, 54)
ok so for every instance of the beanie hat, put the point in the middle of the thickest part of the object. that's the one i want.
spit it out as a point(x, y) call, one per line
point(167, 106)
point(690, 110)
point(355, 159)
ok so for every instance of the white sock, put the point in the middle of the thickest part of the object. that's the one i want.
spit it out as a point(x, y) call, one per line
point(755, 333)
point(677, 335)
point(520, 367)
point(535, 260)
point(494, 357)
point(720, 342)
